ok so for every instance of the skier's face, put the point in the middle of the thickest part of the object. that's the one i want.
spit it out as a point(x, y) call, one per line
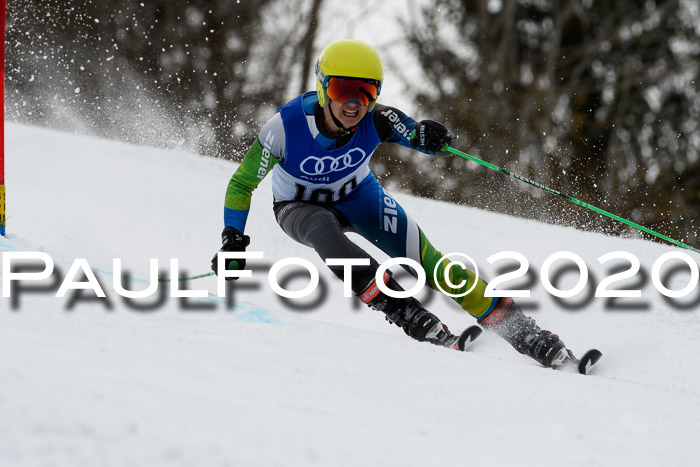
point(350, 113)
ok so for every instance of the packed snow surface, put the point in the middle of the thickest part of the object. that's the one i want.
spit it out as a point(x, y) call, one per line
point(257, 380)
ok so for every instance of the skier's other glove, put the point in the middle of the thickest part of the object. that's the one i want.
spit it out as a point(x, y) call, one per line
point(232, 240)
point(431, 136)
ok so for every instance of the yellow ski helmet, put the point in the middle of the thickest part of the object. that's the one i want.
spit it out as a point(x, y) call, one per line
point(347, 58)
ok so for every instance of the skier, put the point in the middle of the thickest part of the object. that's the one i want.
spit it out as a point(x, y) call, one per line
point(318, 148)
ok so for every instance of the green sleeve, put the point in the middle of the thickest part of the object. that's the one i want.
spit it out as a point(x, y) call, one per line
point(256, 164)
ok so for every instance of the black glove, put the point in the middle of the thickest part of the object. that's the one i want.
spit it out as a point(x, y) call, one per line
point(431, 136)
point(232, 240)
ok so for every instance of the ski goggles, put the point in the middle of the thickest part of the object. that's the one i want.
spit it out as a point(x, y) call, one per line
point(344, 90)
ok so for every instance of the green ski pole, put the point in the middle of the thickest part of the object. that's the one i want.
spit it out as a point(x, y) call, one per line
point(198, 276)
point(568, 198)
point(190, 278)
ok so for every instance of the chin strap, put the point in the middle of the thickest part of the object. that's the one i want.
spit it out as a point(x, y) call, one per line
point(343, 131)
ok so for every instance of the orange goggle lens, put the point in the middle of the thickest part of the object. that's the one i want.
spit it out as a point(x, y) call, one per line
point(343, 90)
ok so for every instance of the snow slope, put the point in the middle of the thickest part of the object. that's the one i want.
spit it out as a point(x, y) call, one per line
point(320, 381)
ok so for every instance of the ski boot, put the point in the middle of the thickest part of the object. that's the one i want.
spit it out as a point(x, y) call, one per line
point(508, 321)
point(408, 314)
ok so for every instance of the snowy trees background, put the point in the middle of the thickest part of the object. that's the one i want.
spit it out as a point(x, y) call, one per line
point(597, 99)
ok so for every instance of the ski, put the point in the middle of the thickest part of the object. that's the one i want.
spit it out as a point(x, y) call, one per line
point(586, 363)
point(467, 337)
point(583, 365)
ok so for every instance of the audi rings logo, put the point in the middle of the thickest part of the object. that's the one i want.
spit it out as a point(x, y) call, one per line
point(314, 166)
